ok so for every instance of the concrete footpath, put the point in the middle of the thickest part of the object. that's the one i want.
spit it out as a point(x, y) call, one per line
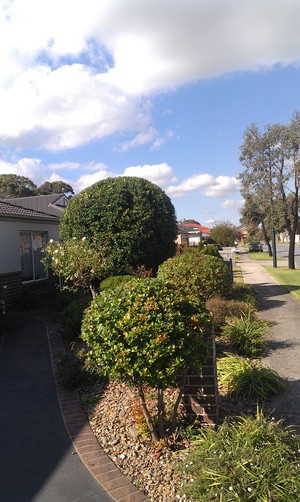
point(277, 305)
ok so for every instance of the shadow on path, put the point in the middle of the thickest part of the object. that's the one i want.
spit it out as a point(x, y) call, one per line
point(37, 460)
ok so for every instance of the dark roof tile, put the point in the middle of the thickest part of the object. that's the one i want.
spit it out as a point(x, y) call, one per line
point(53, 204)
point(7, 209)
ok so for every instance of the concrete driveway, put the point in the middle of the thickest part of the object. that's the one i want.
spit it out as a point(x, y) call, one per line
point(38, 462)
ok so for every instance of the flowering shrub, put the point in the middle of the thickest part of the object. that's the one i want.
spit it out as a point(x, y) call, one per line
point(77, 261)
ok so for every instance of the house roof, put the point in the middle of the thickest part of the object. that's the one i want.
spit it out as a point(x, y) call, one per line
point(15, 211)
point(188, 227)
point(53, 204)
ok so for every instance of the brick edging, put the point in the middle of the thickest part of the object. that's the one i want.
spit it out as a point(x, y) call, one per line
point(92, 455)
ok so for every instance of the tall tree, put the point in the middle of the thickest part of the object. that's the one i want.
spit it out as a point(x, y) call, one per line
point(254, 216)
point(271, 175)
point(50, 187)
point(13, 186)
point(224, 233)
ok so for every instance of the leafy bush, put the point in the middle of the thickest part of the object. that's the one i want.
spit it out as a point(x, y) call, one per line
point(64, 297)
point(243, 292)
point(196, 275)
point(222, 309)
point(114, 281)
point(247, 379)
point(130, 218)
point(252, 459)
point(71, 317)
point(246, 334)
point(210, 249)
point(70, 370)
point(147, 333)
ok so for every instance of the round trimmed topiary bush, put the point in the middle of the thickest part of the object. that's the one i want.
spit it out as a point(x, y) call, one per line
point(198, 275)
point(130, 219)
point(147, 333)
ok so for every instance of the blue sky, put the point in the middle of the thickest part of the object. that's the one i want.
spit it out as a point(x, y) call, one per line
point(161, 90)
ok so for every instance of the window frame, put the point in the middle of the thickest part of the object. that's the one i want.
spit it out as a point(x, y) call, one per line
point(44, 236)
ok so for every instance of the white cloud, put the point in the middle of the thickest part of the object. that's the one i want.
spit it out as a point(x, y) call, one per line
point(161, 140)
point(64, 108)
point(160, 174)
point(207, 184)
point(232, 204)
point(224, 185)
point(159, 45)
point(29, 168)
point(196, 182)
point(38, 173)
point(76, 166)
point(72, 72)
point(140, 139)
point(148, 136)
point(87, 180)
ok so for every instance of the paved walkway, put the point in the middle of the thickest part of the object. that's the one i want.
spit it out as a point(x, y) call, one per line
point(39, 460)
point(280, 307)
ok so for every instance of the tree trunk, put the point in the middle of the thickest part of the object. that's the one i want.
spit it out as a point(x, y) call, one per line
point(291, 258)
point(147, 415)
point(177, 403)
point(266, 238)
point(93, 291)
point(161, 413)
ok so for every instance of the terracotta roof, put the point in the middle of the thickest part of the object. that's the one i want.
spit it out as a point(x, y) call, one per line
point(53, 204)
point(13, 210)
point(197, 226)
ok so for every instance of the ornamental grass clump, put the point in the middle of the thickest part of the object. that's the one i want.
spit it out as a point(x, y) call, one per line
point(251, 459)
point(247, 334)
point(147, 333)
point(247, 379)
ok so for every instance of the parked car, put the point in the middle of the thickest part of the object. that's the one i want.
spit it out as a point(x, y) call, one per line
point(255, 246)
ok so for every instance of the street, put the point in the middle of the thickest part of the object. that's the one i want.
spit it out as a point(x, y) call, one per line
point(282, 252)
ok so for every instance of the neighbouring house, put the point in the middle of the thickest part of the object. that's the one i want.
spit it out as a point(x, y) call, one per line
point(26, 225)
point(284, 236)
point(190, 233)
point(243, 232)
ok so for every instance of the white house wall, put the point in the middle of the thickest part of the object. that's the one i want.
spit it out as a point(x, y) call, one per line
point(10, 259)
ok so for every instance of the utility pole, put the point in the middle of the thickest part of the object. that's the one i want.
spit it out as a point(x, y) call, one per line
point(274, 247)
point(274, 254)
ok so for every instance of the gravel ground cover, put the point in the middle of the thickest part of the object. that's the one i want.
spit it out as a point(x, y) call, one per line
point(110, 409)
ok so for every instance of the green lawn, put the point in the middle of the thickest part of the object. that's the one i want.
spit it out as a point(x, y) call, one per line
point(262, 256)
point(290, 279)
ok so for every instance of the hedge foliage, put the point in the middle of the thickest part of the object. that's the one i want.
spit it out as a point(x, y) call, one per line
point(130, 218)
point(196, 275)
point(146, 332)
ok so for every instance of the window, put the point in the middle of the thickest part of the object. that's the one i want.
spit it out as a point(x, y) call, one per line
point(31, 244)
